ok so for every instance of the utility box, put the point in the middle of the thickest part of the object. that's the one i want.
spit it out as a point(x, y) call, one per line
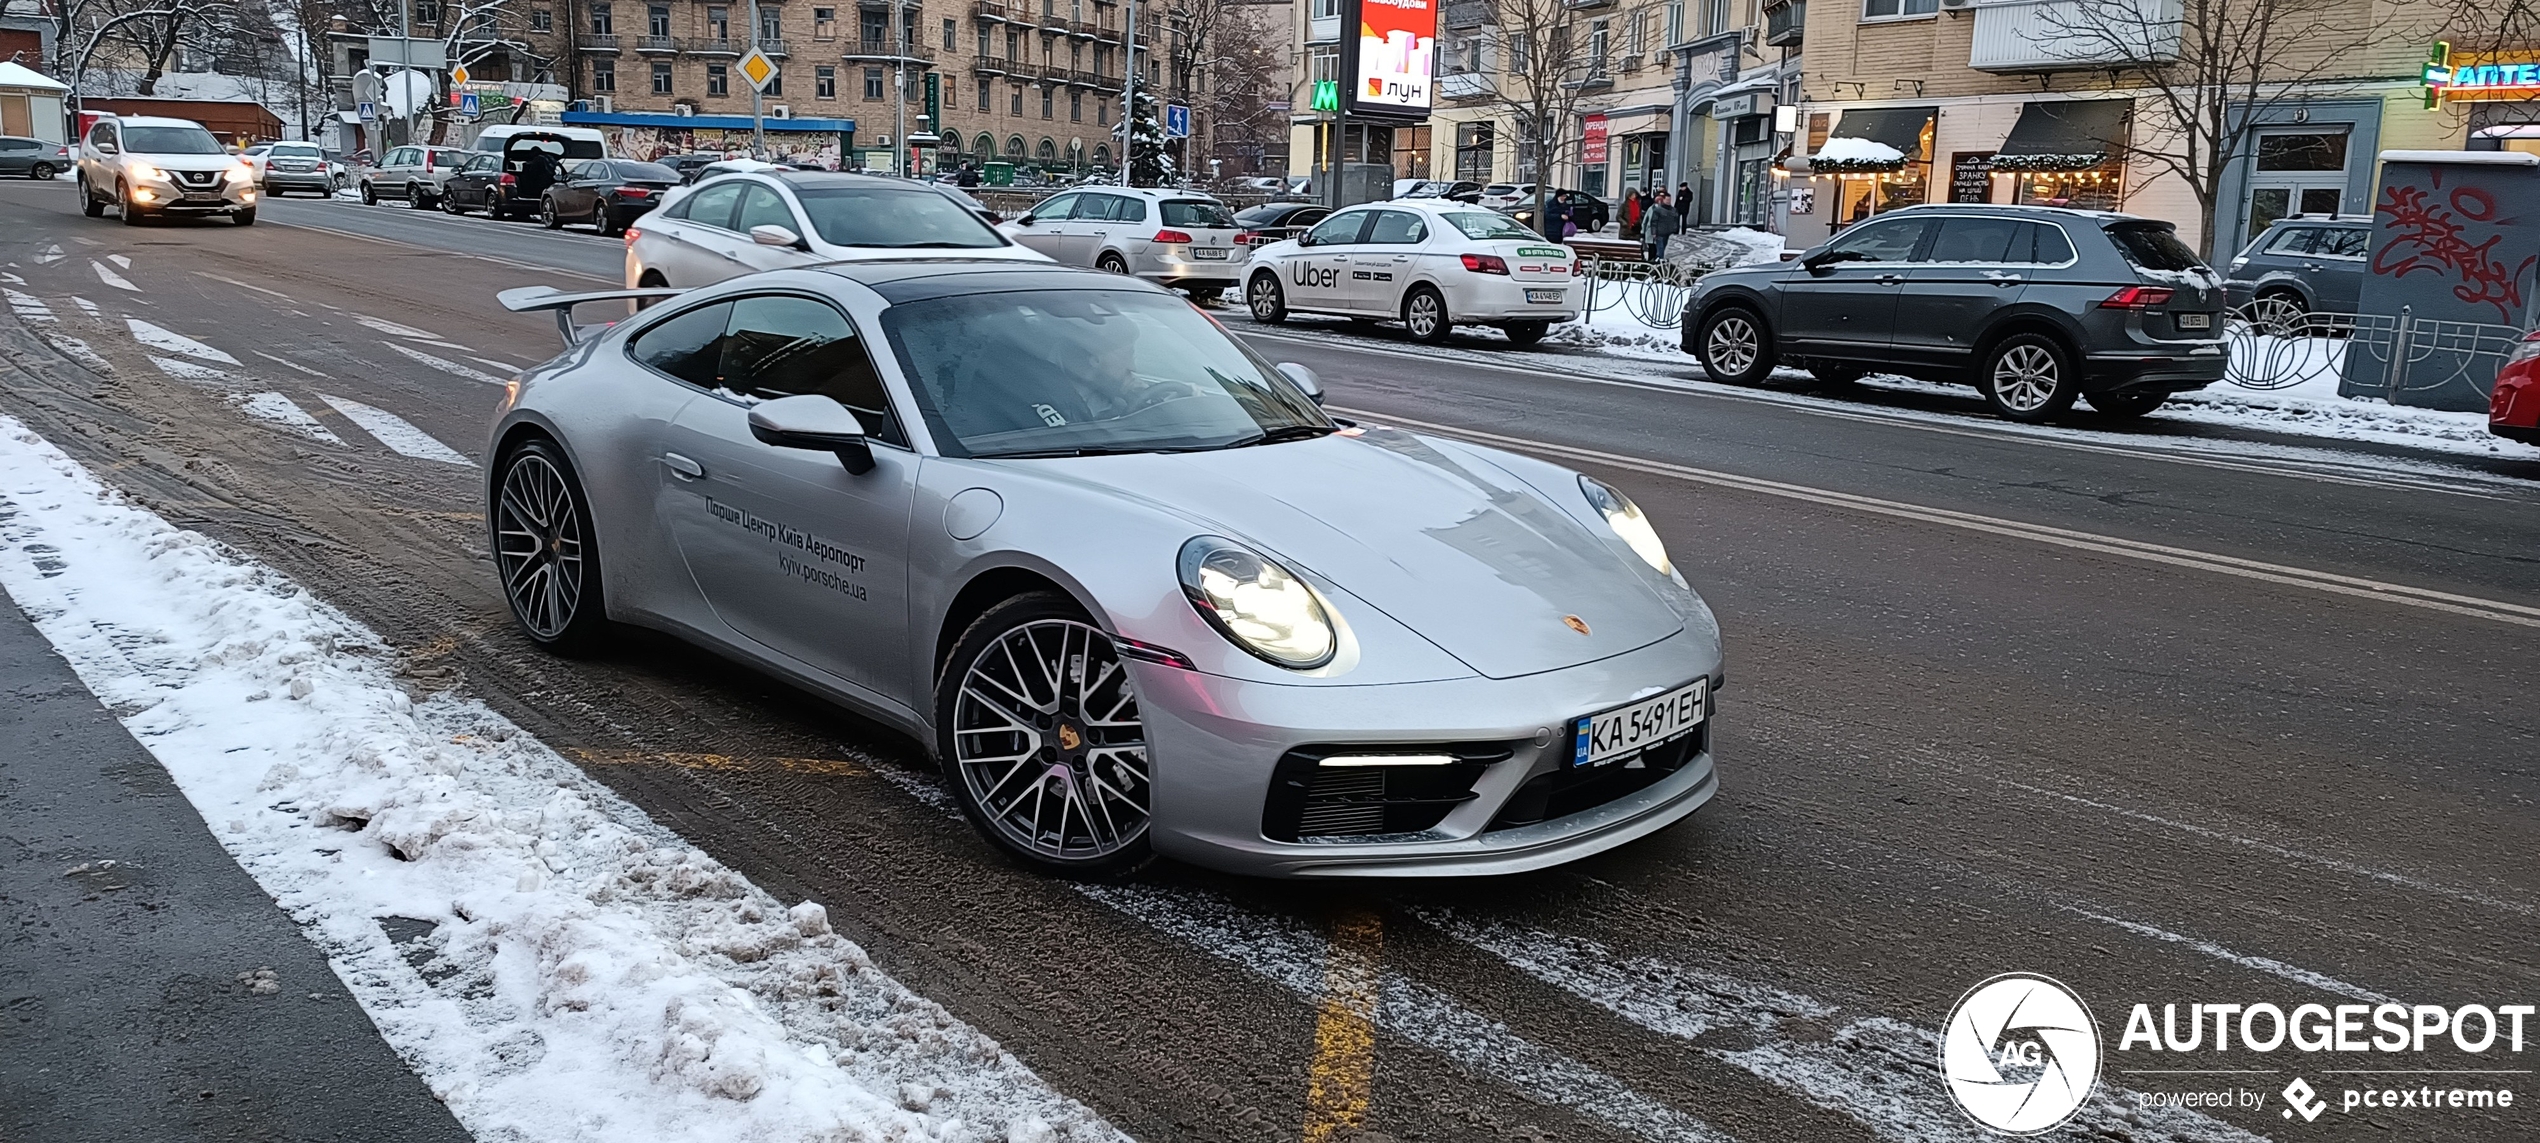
point(997, 174)
point(2449, 285)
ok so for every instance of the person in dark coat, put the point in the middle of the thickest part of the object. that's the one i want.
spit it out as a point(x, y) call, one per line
point(1556, 217)
point(1656, 227)
point(969, 176)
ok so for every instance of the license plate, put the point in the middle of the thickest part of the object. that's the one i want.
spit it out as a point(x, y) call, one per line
point(1208, 254)
point(202, 196)
point(1545, 297)
point(1624, 731)
point(2195, 321)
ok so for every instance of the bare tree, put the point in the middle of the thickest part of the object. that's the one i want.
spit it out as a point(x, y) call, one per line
point(2208, 74)
point(1541, 70)
point(1250, 43)
point(154, 34)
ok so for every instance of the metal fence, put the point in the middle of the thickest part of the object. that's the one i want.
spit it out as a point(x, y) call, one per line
point(1653, 293)
point(2398, 357)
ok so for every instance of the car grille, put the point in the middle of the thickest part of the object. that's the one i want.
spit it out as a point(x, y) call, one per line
point(197, 178)
point(1566, 791)
point(1309, 800)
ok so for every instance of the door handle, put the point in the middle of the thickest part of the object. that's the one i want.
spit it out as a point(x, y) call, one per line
point(2006, 280)
point(2314, 266)
point(1890, 279)
point(685, 467)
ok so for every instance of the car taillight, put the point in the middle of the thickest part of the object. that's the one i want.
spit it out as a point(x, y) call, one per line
point(2527, 349)
point(1245, 238)
point(1578, 266)
point(634, 192)
point(632, 234)
point(1485, 264)
point(2138, 298)
point(508, 180)
point(1172, 236)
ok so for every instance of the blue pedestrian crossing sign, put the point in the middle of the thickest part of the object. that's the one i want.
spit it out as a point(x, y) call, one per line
point(467, 104)
point(1177, 121)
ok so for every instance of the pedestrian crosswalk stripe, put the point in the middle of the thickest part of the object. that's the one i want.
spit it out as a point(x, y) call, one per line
point(394, 432)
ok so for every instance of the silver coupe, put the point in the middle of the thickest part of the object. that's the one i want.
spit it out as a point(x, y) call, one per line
point(1121, 574)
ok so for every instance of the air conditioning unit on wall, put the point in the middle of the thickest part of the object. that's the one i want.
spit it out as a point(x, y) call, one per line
point(607, 103)
point(780, 111)
point(683, 109)
point(1957, 3)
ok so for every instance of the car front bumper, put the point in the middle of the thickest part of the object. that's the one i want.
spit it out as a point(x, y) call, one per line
point(1216, 745)
point(1490, 298)
point(169, 198)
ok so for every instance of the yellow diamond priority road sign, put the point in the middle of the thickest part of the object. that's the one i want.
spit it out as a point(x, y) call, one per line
point(458, 76)
point(758, 69)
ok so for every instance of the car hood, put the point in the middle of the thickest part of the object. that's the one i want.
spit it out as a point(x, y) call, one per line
point(1461, 552)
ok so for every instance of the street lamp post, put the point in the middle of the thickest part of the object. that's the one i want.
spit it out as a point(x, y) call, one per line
point(899, 88)
point(1129, 96)
point(758, 114)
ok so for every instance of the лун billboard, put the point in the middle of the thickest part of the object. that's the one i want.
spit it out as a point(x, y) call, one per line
point(1397, 49)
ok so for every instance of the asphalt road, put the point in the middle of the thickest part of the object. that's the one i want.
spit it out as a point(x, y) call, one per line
point(2167, 718)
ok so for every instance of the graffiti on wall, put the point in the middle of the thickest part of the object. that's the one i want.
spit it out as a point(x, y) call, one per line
point(2452, 233)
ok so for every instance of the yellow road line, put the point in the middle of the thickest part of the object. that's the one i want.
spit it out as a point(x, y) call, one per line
point(1341, 1080)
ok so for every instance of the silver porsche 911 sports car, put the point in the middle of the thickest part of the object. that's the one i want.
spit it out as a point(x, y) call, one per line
point(1121, 574)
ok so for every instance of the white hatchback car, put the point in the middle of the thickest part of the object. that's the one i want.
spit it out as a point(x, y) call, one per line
point(1178, 239)
point(777, 219)
point(1432, 264)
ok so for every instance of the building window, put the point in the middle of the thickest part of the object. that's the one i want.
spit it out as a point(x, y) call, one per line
point(824, 23)
point(873, 83)
point(771, 24)
point(1075, 107)
point(1715, 15)
point(1102, 60)
point(1676, 22)
point(1049, 103)
point(952, 35)
point(1473, 151)
point(1014, 48)
point(874, 28)
point(604, 75)
point(718, 23)
point(1881, 9)
point(718, 80)
point(1015, 104)
point(661, 77)
point(987, 93)
point(824, 82)
point(1599, 35)
point(776, 83)
point(1327, 9)
point(657, 20)
point(427, 12)
point(1102, 113)
point(983, 43)
point(602, 24)
point(542, 20)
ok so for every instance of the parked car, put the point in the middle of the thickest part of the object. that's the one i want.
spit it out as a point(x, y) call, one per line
point(1589, 211)
point(1459, 190)
point(607, 193)
point(1132, 588)
point(2034, 306)
point(2305, 263)
point(1504, 196)
point(765, 220)
point(413, 174)
point(283, 167)
point(689, 164)
point(1277, 222)
point(511, 181)
point(1258, 184)
point(34, 158)
point(1175, 238)
point(153, 167)
point(1432, 264)
point(2513, 411)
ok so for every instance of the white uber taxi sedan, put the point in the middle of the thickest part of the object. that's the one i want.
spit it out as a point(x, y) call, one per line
point(1432, 265)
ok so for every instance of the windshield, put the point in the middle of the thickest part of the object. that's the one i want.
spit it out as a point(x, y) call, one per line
point(892, 219)
point(2154, 246)
point(1203, 215)
point(1481, 224)
point(647, 172)
point(1064, 373)
point(170, 141)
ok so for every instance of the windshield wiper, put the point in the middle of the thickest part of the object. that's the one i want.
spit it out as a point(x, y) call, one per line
point(915, 246)
point(1286, 433)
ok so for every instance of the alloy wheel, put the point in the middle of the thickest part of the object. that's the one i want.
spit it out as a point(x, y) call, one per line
point(1423, 314)
point(1263, 299)
point(1732, 345)
point(539, 546)
point(1047, 739)
point(2026, 377)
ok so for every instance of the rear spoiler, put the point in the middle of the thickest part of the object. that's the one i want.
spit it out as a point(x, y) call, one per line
point(529, 298)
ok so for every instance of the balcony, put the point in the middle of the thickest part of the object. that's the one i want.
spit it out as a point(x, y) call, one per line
point(1082, 77)
point(657, 45)
point(1318, 30)
point(1463, 85)
point(1080, 29)
point(993, 11)
point(596, 42)
point(879, 51)
point(713, 46)
point(775, 49)
point(1785, 23)
point(1582, 5)
point(991, 65)
point(2025, 36)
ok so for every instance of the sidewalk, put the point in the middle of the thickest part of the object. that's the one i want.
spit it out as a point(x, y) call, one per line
point(148, 989)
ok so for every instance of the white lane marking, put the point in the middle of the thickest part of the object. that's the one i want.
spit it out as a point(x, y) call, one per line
point(503, 365)
point(12, 279)
point(287, 363)
point(52, 253)
point(112, 278)
point(88, 307)
point(86, 241)
point(78, 351)
point(2334, 583)
point(2286, 852)
point(192, 371)
point(1292, 957)
point(439, 252)
point(1878, 1070)
point(245, 285)
point(2268, 965)
point(276, 409)
point(28, 307)
point(157, 337)
point(394, 432)
point(120, 260)
point(392, 329)
point(446, 365)
point(609, 981)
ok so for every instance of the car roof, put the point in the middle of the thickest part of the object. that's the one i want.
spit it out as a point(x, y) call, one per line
point(1150, 193)
point(2327, 219)
point(154, 121)
point(901, 280)
point(2022, 210)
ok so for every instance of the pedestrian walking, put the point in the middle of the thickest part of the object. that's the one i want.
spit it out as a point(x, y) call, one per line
point(1657, 226)
point(1633, 204)
point(1556, 217)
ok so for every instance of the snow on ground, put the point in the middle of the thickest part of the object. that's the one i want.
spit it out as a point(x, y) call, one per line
point(570, 970)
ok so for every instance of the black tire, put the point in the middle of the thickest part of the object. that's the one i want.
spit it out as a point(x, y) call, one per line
point(1267, 301)
point(2279, 312)
point(89, 203)
point(1206, 297)
point(1735, 346)
point(41, 172)
point(1111, 264)
point(1525, 333)
point(547, 215)
point(651, 280)
point(132, 215)
point(416, 199)
point(245, 217)
point(370, 195)
point(1078, 744)
point(450, 204)
point(608, 222)
point(546, 552)
point(2028, 377)
point(1425, 317)
point(2130, 404)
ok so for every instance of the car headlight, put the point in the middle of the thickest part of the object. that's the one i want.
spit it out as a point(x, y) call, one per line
point(146, 171)
point(1260, 606)
point(241, 173)
point(1624, 517)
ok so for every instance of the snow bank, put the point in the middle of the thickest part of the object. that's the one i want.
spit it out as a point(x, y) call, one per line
point(561, 967)
point(1845, 150)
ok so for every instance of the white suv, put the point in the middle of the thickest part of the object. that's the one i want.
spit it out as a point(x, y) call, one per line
point(147, 166)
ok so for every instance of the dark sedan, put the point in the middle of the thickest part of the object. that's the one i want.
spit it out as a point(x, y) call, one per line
point(1589, 211)
point(607, 193)
point(1277, 222)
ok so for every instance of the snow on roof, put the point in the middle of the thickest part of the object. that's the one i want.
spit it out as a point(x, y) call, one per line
point(19, 75)
point(1843, 149)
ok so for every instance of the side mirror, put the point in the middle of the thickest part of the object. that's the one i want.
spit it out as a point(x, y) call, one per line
point(1305, 238)
point(813, 421)
point(1821, 257)
point(1304, 378)
point(1026, 220)
point(108, 149)
point(778, 236)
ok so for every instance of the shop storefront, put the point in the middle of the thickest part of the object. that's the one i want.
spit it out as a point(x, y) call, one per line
point(2061, 153)
point(1872, 159)
point(2302, 158)
point(2499, 90)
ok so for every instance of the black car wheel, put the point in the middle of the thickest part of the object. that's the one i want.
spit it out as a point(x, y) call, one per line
point(1734, 346)
point(1524, 333)
point(544, 550)
point(547, 215)
point(1424, 316)
point(2279, 312)
point(370, 195)
point(42, 172)
point(2130, 404)
point(1112, 264)
point(245, 217)
point(450, 204)
point(416, 199)
point(1041, 739)
point(1205, 296)
point(2028, 377)
point(1268, 303)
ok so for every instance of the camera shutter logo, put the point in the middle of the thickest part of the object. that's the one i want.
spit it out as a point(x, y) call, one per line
point(2021, 1053)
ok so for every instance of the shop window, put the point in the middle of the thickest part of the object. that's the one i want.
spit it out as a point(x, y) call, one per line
point(1890, 9)
point(1473, 144)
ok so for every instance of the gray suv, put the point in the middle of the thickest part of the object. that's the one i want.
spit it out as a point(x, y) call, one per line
point(2034, 306)
point(2301, 264)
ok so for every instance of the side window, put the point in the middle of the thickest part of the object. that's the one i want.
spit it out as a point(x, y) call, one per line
point(2052, 247)
point(1340, 229)
point(762, 206)
point(1881, 241)
point(713, 205)
point(1397, 227)
point(2346, 242)
point(780, 346)
point(1127, 209)
point(2293, 240)
point(688, 346)
point(1976, 240)
point(1059, 209)
point(103, 132)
